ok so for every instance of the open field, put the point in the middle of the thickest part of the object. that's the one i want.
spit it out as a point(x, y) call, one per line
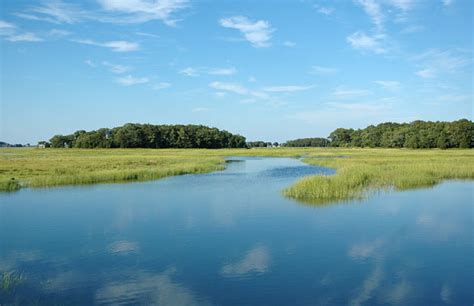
point(359, 171)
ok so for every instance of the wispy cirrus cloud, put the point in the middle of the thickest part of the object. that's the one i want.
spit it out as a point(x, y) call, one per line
point(324, 9)
point(345, 93)
point(161, 85)
point(115, 68)
point(238, 89)
point(258, 33)
point(54, 12)
point(361, 41)
point(112, 11)
point(130, 80)
point(435, 62)
point(374, 10)
point(197, 71)
point(139, 11)
point(27, 37)
point(116, 45)
point(12, 33)
point(323, 70)
point(389, 85)
point(59, 33)
point(287, 88)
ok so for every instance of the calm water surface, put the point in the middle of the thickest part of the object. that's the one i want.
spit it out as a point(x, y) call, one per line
point(230, 238)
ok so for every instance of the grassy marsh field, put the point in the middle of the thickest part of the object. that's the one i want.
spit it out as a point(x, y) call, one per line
point(359, 171)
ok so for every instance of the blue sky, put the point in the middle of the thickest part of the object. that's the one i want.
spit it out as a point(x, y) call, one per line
point(269, 70)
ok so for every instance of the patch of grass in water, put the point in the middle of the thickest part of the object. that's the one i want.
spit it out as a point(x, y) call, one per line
point(366, 171)
point(10, 280)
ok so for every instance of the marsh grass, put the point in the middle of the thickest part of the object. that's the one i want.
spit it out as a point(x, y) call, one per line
point(10, 280)
point(365, 171)
point(359, 172)
point(57, 167)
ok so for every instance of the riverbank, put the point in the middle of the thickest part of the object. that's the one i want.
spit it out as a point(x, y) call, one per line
point(359, 171)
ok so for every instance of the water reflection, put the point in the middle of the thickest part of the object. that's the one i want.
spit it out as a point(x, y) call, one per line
point(230, 238)
point(256, 260)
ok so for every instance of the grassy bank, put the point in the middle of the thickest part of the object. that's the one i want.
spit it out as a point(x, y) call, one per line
point(56, 167)
point(362, 171)
point(359, 171)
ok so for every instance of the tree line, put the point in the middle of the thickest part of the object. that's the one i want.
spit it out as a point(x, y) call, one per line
point(133, 135)
point(308, 142)
point(415, 135)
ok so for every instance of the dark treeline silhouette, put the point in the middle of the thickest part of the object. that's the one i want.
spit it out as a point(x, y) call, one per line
point(262, 144)
point(151, 136)
point(415, 135)
point(308, 142)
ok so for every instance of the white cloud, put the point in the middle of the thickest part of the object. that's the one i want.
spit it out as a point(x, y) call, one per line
point(116, 45)
point(322, 70)
point(287, 88)
point(118, 69)
point(222, 71)
point(426, 73)
point(436, 62)
point(59, 33)
point(138, 11)
point(160, 86)
point(373, 9)
point(54, 12)
point(232, 87)
point(257, 260)
point(90, 63)
point(238, 89)
point(6, 26)
point(413, 29)
point(324, 10)
point(390, 85)
point(113, 11)
point(343, 93)
point(361, 107)
point(130, 80)
point(289, 44)
point(447, 2)
point(147, 34)
point(13, 34)
point(361, 41)
point(28, 37)
point(194, 72)
point(190, 72)
point(403, 5)
point(258, 33)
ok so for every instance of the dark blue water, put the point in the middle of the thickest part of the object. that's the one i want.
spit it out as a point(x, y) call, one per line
point(230, 238)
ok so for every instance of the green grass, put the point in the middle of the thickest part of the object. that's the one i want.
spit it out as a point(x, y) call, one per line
point(57, 167)
point(10, 280)
point(363, 171)
point(359, 171)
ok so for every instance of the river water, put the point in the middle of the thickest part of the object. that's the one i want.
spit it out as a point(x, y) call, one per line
point(231, 238)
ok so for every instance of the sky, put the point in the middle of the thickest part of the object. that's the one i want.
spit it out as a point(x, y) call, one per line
point(268, 70)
